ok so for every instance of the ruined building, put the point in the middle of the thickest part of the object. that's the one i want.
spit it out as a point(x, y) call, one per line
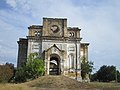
point(57, 44)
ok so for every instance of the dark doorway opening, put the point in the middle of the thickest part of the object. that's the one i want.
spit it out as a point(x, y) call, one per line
point(54, 66)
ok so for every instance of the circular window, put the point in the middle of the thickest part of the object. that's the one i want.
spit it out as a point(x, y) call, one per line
point(54, 28)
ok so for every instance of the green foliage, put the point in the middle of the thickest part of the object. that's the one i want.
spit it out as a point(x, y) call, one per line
point(20, 75)
point(33, 68)
point(86, 67)
point(106, 74)
point(6, 72)
point(93, 77)
point(118, 76)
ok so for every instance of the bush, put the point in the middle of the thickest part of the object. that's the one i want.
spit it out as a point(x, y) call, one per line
point(33, 68)
point(6, 72)
point(20, 75)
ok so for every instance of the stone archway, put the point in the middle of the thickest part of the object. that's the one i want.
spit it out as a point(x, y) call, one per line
point(54, 68)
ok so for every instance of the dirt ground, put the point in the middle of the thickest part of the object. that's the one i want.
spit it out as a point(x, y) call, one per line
point(59, 83)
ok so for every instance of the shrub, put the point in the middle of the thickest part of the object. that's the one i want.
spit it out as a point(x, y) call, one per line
point(33, 68)
point(6, 72)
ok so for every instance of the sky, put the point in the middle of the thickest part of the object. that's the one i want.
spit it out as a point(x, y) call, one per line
point(99, 21)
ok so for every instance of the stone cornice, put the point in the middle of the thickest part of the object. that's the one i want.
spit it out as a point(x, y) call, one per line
point(85, 44)
point(73, 28)
point(54, 38)
point(35, 27)
point(22, 41)
point(55, 18)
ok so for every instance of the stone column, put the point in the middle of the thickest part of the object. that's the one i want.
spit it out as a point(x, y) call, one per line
point(48, 66)
point(78, 78)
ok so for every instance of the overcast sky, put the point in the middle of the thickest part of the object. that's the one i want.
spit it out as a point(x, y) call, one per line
point(98, 19)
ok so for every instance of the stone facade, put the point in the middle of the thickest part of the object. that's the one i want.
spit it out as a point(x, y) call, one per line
point(58, 45)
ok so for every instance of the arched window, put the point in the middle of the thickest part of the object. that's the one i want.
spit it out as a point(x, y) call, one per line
point(37, 33)
point(71, 34)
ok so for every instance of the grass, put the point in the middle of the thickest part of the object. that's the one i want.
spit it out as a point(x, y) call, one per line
point(106, 86)
point(59, 83)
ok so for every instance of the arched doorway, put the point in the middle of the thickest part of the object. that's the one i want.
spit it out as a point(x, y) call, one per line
point(54, 68)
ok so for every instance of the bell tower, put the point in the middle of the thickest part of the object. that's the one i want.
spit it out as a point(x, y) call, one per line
point(55, 27)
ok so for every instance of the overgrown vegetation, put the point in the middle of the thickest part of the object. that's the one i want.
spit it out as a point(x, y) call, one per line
point(6, 72)
point(86, 67)
point(34, 67)
point(31, 69)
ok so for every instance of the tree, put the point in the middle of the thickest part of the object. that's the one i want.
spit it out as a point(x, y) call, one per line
point(118, 76)
point(86, 67)
point(106, 73)
point(20, 75)
point(6, 72)
point(93, 77)
point(33, 68)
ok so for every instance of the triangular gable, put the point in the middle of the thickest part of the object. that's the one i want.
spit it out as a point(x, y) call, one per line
point(55, 47)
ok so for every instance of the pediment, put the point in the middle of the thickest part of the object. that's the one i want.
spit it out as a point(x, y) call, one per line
point(54, 48)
